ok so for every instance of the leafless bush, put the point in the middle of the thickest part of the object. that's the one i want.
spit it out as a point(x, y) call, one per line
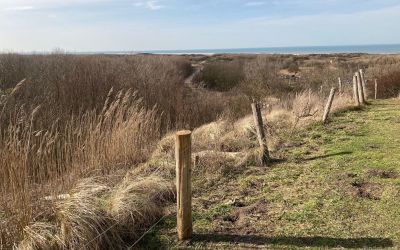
point(262, 78)
point(387, 72)
point(223, 75)
point(306, 104)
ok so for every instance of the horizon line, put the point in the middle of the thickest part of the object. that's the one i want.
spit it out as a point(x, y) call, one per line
point(165, 51)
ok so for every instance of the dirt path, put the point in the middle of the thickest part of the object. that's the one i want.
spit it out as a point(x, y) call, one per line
point(197, 69)
point(338, 186)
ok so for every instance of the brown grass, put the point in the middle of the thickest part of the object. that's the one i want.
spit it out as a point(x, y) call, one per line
point(95, 216)
point(45, 162)
point(82, 116)
point(76, 118)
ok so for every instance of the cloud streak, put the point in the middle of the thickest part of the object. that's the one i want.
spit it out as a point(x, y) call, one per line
point(254, 4)
point(151, 5)
point(19, 8)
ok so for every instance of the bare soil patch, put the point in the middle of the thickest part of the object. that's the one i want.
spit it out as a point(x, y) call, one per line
point(361, 189)
point(384, 174)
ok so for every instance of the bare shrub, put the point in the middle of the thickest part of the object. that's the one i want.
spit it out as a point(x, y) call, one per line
point(389, 84)
point(262, 79)
point(306, 104)
point(221, 75)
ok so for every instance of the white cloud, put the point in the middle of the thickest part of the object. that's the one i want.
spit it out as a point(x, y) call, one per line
point(34, 4)
point(254, 4)
point(151, 5)
point(18, 8)
point(154, 5)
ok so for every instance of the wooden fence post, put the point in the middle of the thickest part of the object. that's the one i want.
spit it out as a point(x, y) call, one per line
point(376, 89)
point(260, 133)
point(340, 85)
point(183, 152)
point(328, 105)
point(360, 88)
point(355, 92)
point(364, 84)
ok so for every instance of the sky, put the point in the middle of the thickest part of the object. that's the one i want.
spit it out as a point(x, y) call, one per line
point(139, 25)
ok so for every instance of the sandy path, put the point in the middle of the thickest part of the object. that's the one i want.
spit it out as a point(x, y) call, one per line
point(197, 69)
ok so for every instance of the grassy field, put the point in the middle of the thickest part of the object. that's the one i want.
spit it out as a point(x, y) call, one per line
point(335, 186)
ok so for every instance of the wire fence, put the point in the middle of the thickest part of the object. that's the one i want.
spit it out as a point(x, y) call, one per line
point(149, 230)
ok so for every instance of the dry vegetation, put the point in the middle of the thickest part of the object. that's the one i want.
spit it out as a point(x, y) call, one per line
point(81, 161)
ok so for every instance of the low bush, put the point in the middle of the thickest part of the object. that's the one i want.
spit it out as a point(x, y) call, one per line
point(262, 79)
point(386, 70)
point(221, 75)
point(388, 85)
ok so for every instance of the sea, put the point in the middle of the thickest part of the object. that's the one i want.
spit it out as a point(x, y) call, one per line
point(369, 49)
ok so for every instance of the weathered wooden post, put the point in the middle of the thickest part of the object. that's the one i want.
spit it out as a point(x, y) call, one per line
point(328, 105)
point(376, 89)
point(260, 133)
point(183, 152)
point(340, 85)
point(360, 88)
point(355, 92)
point(364, 84)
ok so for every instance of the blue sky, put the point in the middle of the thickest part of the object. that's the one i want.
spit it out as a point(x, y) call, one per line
point(114, 25)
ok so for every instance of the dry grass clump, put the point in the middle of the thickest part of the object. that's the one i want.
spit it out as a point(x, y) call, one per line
point(207, 137)
point(83, 221)
point(213, 167)
point(41, 235)
point(135, 203)
point(96, 216)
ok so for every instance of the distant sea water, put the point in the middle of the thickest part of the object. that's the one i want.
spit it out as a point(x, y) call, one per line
point(370, 49)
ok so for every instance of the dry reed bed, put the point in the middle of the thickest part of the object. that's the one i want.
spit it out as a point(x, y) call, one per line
point(35, 164)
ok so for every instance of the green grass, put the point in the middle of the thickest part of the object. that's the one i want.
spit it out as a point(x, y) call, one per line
point(339, 189)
